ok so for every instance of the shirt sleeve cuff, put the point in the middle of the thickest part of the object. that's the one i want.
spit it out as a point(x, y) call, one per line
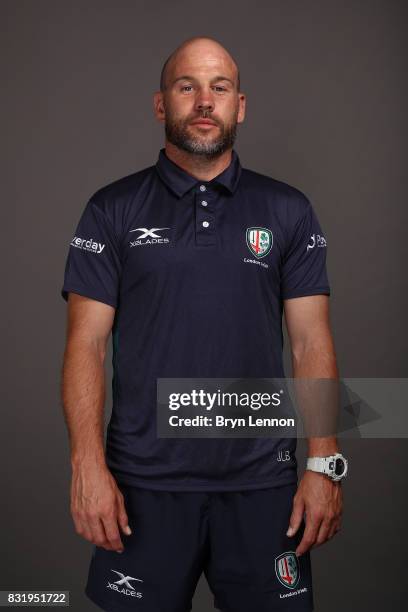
point(89, 292)
point(305, 291)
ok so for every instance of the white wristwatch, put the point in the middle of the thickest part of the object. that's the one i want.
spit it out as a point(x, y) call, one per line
point(334, 466)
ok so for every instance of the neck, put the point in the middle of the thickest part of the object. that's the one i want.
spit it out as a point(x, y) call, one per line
point(199, 166)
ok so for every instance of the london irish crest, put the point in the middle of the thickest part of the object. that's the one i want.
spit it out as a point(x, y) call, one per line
point(259, 241)
point(287, 569)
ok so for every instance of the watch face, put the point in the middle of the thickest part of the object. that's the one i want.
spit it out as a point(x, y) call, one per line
point(339, 469)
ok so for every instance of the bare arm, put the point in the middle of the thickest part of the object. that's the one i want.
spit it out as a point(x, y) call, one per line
point(97, 505)
point(313, 356)
point(83, 376)
point(312, 350)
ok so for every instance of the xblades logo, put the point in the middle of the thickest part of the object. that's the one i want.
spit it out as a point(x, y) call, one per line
point(128, 589)
point(149, 236)
point(149, 232)
point(125, 579)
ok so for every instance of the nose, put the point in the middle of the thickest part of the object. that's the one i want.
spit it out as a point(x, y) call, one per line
point(204, 101)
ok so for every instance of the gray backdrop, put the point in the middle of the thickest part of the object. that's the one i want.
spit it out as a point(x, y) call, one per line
point(327, 99)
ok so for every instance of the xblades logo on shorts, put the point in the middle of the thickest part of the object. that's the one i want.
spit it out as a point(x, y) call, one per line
point(124, 581)
point(149, 236)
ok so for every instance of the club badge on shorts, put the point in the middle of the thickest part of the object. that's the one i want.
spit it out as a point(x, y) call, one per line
point(287, 569)
point(259, 241)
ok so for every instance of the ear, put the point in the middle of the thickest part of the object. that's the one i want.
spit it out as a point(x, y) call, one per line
point(242, 108)
point(158, 106)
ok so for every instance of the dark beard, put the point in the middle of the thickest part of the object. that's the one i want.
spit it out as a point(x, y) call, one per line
point(177, 134)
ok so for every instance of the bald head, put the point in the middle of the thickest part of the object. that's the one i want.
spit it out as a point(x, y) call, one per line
point(198, 45)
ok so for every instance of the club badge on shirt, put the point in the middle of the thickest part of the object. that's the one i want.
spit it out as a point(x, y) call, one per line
point(259, 241)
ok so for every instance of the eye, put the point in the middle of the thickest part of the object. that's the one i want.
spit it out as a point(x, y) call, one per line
point(184, 87)
point(220, 88)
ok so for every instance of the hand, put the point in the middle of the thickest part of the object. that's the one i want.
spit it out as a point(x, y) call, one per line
point(322, 500)
point(97, 506)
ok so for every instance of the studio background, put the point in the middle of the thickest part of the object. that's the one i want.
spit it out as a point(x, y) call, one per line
point(326, 112)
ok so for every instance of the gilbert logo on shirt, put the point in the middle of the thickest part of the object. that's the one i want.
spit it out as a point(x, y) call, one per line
point(149, 236)
point(87, 244)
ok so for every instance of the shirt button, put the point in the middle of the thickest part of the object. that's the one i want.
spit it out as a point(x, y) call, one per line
point(204, 203)
point(205, 224)
point(202, 187)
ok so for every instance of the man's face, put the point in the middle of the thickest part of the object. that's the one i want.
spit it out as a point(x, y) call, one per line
point(202, 85)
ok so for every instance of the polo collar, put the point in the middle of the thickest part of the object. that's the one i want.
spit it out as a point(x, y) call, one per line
point(180, 181)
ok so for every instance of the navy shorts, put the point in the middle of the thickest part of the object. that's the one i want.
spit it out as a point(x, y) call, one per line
point(238, 539)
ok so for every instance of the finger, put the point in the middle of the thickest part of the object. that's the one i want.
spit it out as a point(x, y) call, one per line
point(323, 533)
point(122, 516)
point(110, 525)
point(335, 528)
point(309, 535)
point(81, 527)
point(98, 533)
point(295, 518)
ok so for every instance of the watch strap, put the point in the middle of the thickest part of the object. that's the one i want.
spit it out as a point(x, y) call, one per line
point(318, 464)
point(327, 465)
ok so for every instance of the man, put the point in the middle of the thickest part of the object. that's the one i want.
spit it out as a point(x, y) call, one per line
point(190, 263)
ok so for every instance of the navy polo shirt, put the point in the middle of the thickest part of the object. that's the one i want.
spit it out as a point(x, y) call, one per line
point(197, 272)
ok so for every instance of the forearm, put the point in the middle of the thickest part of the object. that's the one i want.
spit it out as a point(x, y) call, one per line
point(83, 398)
point(316, 360)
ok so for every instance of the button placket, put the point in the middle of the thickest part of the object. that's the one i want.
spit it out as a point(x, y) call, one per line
point(204, 217)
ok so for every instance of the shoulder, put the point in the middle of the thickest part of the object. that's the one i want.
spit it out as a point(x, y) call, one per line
point(122, 189)
point(115, 201)
point(286, 198)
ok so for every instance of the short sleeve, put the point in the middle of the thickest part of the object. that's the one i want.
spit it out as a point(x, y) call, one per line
point(93, 263)
point(304, 266)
